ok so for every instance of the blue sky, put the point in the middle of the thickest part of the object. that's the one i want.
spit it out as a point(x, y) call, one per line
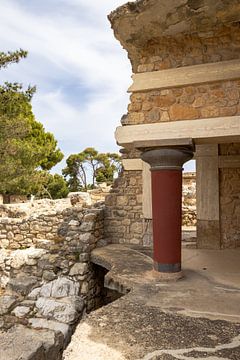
point(80, 70)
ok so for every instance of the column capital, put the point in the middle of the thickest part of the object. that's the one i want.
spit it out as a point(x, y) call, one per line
point(167, 158)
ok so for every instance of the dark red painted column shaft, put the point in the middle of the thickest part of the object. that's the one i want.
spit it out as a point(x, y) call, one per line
point(167, 218)
point(166, 172)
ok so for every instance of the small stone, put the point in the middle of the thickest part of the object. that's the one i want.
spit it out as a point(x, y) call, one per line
point(183, 112)
point(48, 275)
point(84, 257)
point(21, 311)
point(22, 284)
point(73, 223)
point(34, 293)
point(79, 269)
point(163, 102)
point(6, 303)
point(84, 288)
point(85, 237)
point(66, 310)
point(87, 226)
point(40, 323)
point(60, 288)
point(153, 115)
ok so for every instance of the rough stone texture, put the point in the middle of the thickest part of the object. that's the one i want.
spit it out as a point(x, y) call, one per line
point(22, 343)
point(230, 200)
point(177, 33)
point(40, 323)
point(160, 35)
point(54, 282)
point(6, 303)
point(60, 288)
point(123, 215)
point(195, 318)
point(22, 284)
point(124, 222)
point(185, 103)
point(21, 311)
point(67, 310)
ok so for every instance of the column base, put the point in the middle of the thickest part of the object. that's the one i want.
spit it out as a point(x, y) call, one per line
point(167, 277)
point(167, 268)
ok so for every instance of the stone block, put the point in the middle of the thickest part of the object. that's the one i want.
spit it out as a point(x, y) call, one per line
point(183, 112)
point(6, 303)
point(21, 311)
point(59, 288)
point(40, 323)
point(79, 269)
point(22, 285)
point(67, 310)
point(30, 344)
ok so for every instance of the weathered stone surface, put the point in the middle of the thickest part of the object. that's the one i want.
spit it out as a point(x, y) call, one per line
point(87, 226)
point(34, 293)
point(79, 269)
point(21, 311)
point(66, 310)
point(183, 112)
point(40, 323)
point(60, 288)
point(22, 284)
point(26, 256)
point(6, 303)
point(30, 344)
point(78, 198)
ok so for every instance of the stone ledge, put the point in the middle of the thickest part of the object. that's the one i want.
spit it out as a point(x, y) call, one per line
point(142, 324)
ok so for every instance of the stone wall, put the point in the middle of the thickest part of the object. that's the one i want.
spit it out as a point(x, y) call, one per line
point(184, 103)
point(230, 200)
point(48, 282)
point(123, 214)
point(219, 44)
point(187, 33)
point(124, 221)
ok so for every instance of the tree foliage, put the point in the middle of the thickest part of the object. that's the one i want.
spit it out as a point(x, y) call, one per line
point(50, 186)
point(89, 167)
point(11, 57)
point(25, 147)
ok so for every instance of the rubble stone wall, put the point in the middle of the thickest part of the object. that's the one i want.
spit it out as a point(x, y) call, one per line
point(124, 222)
point(76, 232)
point(184, 103)
point(219, 44)
point(48, 282)
point(123, 213)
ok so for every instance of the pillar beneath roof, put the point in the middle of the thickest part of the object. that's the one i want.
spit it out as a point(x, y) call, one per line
point(166, 175)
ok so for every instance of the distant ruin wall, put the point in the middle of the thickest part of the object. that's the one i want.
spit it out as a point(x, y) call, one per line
point(123, 213)
point(124, 222)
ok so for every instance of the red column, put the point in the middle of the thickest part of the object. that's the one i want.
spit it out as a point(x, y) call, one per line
point(166, 172)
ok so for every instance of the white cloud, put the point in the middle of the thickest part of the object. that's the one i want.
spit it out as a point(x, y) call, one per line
point(74, 50)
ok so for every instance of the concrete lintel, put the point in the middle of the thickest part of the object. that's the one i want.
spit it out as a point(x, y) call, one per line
point(186, 75)
point(209, 130)
point(161, 143)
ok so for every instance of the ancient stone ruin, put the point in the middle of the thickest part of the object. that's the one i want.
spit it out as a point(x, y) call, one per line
point(61, 261)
